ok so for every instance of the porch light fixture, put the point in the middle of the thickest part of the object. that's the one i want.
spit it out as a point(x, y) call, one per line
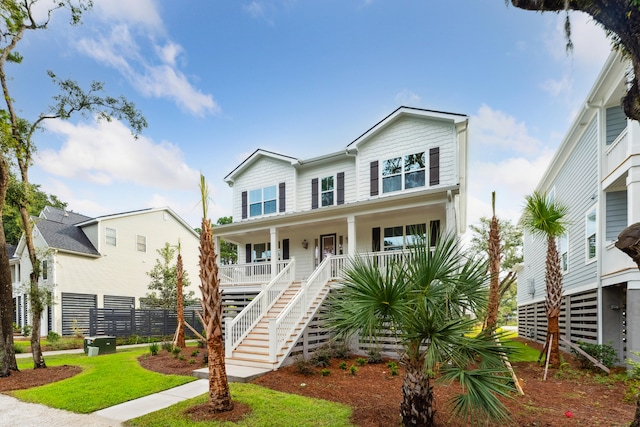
point(305, 244)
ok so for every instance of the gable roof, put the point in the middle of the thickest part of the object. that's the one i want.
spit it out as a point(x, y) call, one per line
point(407, 111)
point(256, 155)
point(65, 236)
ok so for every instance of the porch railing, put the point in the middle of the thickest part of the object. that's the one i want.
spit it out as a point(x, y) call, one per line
point(616, 153)
point(282, 327)
point(248, 274)
point(240, 326)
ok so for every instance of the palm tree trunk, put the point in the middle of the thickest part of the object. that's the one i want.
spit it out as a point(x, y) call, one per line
point(494, 268)
point(553, 302)
point(180, 342)
point(416, 408)
point(219, 394)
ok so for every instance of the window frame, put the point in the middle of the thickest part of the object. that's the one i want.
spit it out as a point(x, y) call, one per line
point(45, 272)
point(110, 240)
point(329, 192)
point(258, 198)
point(589, 236)
point(405, 236)
point(403, 171)
point(563, 250)
point(138, 243)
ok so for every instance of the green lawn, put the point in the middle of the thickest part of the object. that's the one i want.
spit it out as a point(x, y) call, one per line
point(269, 409)
point(105, 381)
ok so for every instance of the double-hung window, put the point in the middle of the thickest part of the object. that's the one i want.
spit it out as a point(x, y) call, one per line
point(261, 252)
point(563, 250)
point(402, 173)
point(393, 239)
point(590, 230)
point(141, 243)
point(327, 194)
point(110, 236)
point(262, 201)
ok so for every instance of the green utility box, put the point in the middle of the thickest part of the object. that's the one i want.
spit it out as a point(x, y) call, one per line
point(105, 344)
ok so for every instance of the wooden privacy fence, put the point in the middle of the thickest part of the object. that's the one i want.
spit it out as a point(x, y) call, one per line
point(142, 322)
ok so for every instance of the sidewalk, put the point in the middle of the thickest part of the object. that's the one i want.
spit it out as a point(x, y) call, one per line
point(14, 412)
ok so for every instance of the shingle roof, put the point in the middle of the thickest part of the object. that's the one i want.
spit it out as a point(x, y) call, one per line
point(58, 229)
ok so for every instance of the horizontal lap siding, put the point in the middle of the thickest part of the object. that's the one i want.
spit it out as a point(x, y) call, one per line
point(265, 172)
point(324, 170)
point(409, 135)
point(616, 214)
point(616, 123)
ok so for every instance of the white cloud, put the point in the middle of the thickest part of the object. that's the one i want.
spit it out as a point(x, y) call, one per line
point(494, 129)
point(138, 12)
point(255, 9)
point(105, 152)
point(590, 43)
point(407, 98)
point(558, 87)
point(120, 51)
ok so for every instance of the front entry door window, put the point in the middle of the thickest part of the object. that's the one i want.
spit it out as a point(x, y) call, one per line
point(327, 245)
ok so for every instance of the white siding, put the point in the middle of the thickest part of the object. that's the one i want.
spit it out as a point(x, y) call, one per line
point(410, 135)
point(346, 165)
point(264, 172)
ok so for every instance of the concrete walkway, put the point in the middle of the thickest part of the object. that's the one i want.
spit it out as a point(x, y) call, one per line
point(14, 412)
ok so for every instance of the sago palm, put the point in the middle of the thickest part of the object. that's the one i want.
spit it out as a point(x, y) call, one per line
point(546, 217)
point(426, 299)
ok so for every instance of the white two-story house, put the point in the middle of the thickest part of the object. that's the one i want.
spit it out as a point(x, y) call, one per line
point(296, 221)
point(596, 175)
point(97, 262)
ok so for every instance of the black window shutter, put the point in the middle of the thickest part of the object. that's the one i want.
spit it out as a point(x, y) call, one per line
point(373, 178)
point(244, 205)
point(285, 248)
point(282, 197)
point(375, 239)
point(340, 200)
point(247, 249)
point(435, 232)
point(314, 193)
point(434, 166)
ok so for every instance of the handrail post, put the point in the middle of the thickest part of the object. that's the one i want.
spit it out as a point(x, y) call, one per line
point(228, 341)
point(273, 339)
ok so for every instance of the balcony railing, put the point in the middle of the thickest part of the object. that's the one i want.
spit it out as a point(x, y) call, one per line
point(616, 153)
point(255, 273)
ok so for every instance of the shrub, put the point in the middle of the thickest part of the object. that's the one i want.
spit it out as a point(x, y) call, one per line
point(53, 337)
point(343, 365)
point(192, 361)
point(361, 361)
point(168, 346)
point(303, 365)
point(393, 368)
point(154, 349)
point(353, 369)
point(341, 350)
point(26, 330)
point(604, 353)
point(195, 353)
point(322, 356)
point(17, 349)
point(374, 356)
point(325, 372)
point(176, 351)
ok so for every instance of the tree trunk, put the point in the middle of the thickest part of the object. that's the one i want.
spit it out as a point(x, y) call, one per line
point(219, 395)
point(416, 408)
point(553, 302)
point(180, 342)
point(6, 286)
point(494, 269)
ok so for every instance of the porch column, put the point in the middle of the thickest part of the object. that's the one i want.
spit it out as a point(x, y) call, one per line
point(451, 226)
point(274, 251)
point(633, 195)
point(633, 318)
point(351, 235)
point(216, 244)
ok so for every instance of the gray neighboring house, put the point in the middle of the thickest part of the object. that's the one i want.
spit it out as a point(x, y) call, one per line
point(596, 174)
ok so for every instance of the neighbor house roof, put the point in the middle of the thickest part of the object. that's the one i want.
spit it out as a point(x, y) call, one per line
point(65, 236)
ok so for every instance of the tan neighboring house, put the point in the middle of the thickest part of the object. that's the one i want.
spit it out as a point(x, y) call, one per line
point(97, 262)
point(296, 221)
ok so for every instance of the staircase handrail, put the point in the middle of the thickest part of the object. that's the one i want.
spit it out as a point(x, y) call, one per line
point(239, 327)
point(281, 328)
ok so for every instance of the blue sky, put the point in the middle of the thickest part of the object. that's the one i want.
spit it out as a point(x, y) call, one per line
point(218, 79)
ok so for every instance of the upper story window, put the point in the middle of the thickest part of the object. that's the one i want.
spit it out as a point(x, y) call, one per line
point(110, 236)
point(563, 250)
point(141, 243)
point(590, 228)
point(263, 201)
point(45, 268)
point(328, 193)
point(401, 173)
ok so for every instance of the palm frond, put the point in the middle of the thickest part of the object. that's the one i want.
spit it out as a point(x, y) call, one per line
point(544, 216)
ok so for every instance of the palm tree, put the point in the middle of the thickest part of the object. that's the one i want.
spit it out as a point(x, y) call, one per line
point(546, 217)
point(426, 301)
point(219, 395)
point(494, 267)
point(179, 341)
